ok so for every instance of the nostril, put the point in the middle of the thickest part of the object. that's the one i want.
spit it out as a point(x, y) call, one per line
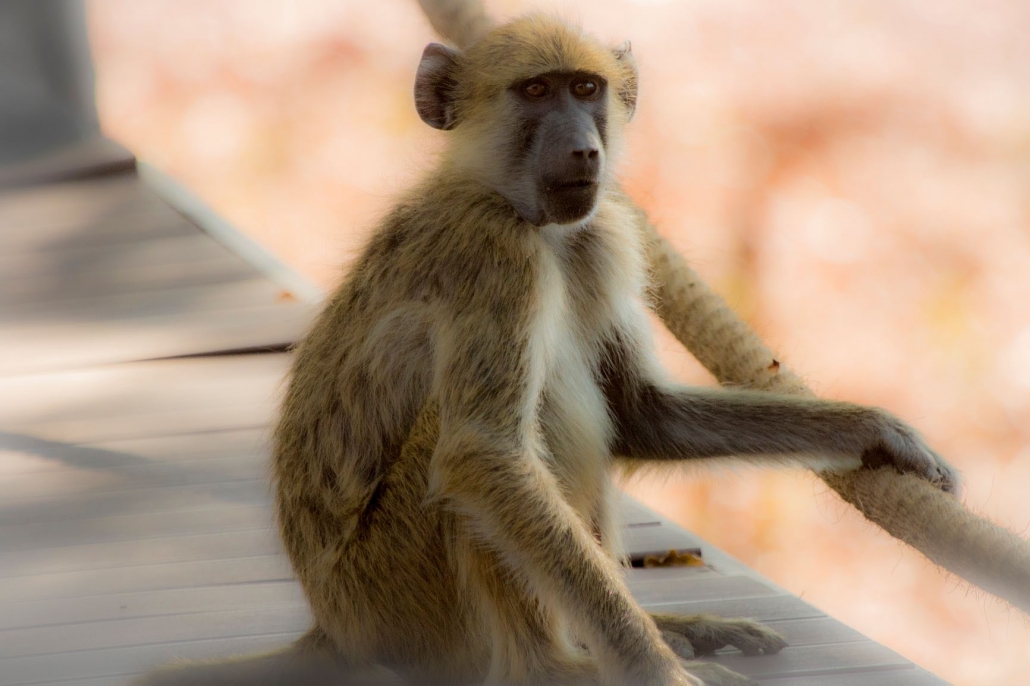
point(585, 153)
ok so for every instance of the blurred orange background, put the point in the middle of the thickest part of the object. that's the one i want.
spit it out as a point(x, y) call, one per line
point(853, 175)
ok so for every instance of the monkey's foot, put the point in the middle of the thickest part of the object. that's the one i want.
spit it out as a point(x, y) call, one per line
point(716, 675)
point(690, 636)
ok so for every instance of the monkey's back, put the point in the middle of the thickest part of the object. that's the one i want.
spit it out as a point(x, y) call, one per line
point(351, 512)
point(375, 556)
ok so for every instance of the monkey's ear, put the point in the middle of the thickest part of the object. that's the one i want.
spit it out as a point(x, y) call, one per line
point(435, 83)
point(627, 91)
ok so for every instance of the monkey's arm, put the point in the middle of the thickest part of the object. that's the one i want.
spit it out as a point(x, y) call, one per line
point(661, 421)
point(968, 545)
point(488, 466)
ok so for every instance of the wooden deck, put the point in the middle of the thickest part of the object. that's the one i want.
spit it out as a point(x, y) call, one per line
point(135, 522)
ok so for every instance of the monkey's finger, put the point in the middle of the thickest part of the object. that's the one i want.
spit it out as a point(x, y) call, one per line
point(951, 482)
point(770, 642)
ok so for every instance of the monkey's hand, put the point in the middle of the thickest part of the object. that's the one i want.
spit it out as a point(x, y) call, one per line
point(899, 445)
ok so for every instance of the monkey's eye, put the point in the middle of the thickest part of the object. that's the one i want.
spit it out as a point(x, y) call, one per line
point(584, 89)
point(535, 89)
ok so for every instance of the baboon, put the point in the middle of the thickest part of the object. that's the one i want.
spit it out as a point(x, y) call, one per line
point(507, 294)
point(504, 300)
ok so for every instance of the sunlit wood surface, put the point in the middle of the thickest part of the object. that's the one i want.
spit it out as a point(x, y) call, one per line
point(135, 520)
point(102, 271)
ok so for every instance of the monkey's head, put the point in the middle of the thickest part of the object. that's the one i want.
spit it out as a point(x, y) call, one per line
point(536, 110)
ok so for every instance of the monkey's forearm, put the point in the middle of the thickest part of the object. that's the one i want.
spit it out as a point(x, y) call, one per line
point(687, 423)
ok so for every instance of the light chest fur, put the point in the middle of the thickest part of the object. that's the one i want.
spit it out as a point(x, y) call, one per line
point(590, 283)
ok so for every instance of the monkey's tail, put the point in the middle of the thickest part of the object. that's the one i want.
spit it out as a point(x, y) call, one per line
point(459, 22)
point(308, 662)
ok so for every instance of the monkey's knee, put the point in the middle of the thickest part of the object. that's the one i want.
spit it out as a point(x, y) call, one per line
point(694, 635)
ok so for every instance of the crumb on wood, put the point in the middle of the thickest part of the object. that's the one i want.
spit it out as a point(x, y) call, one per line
point(674, 558)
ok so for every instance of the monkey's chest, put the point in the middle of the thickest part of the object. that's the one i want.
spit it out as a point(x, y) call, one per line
point(572, 414)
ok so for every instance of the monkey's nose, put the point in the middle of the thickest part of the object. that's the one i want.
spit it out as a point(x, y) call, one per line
point(585, 153)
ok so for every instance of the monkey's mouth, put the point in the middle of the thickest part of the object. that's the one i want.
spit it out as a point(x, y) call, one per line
point(568, 200)
point(577, 184)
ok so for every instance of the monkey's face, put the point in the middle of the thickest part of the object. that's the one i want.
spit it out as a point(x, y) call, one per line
point(535, 106)
point(555, 147)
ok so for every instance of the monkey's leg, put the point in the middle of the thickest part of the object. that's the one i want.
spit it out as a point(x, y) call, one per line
point(693, 635)
point(530, 642)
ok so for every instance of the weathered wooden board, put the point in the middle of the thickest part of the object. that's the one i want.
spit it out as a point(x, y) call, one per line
point(25, 614)
point(102, 211)
point(69, 637)
point(168, 397)
point(904, 676)
point(124, 662)
point(62, 344)
point(259, 540)
point(129, 577)
point(103, 270)
point(104, 263)
point(816, 660)
point(95, 156)
point(764, 608)
point(216, 483)
point(93, 492)
point(97, 530)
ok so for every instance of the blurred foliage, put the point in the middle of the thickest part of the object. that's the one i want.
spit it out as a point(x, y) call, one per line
point(853, 175)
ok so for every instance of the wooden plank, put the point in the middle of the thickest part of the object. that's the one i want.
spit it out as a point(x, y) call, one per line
point(164, 626)
point(761, 608)
point(696, 587)
point(817, 660)
point(151, 387)
point(171, 549)
point(80, 294)
point(206, 489)
point(93, 156)
point(44, 345)
point(185, 420)
point(101, 290)
point(252, 252)
point(53, 641)
point(910, 676)
point(143, 577)
point(133, 527)
point(93, 225)
point(25, 614)
point(73, 307)
point(99, 261)
point(156, 451)
point(127, 661)
point(120, 401)
point(99, 211)
point(90, 486)
point(68, 203)
point(814, 631)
